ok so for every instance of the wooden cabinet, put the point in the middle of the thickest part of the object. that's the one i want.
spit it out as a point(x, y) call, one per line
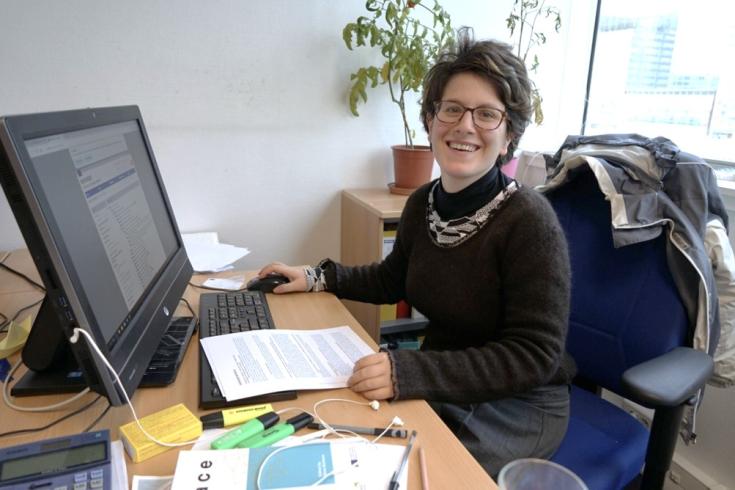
point(365, 215)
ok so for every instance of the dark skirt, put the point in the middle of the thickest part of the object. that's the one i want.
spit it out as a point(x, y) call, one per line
point(529, 425)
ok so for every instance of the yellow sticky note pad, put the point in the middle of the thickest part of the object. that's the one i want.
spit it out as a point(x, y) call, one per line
point(173, 425)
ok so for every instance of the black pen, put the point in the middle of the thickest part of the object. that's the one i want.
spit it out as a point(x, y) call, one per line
point(371, 431)
point(393, 485)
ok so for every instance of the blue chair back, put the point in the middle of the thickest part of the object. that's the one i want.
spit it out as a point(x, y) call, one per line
point(625, 307)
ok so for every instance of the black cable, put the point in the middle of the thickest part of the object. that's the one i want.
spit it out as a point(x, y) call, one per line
point(17, 314)
point(51, 424)
point(6, 321)
point(188, 305)
point(20, 274)
point(104, 412)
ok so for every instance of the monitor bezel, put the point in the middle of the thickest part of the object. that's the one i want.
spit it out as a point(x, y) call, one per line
point(150, 316)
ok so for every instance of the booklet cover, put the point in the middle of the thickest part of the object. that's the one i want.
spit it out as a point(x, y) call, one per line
point(334, 464)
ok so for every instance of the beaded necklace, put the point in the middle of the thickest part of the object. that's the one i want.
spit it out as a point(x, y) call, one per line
point(450, 233)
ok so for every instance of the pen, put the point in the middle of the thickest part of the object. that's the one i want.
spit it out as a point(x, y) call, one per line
point(246, 430)
point(371, 431)
point(393, 485)
point(277, 432)
point(234, 416)
point(424, 472)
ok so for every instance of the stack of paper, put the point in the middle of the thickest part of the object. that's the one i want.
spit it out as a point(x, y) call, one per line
point(264, 361)
point(206, 254)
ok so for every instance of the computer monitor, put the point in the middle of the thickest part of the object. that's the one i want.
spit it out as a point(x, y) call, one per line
point(90, 202)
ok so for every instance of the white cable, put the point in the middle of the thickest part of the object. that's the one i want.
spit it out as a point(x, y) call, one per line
point(293, 409)
point(47, 408)
point(392, 423)
point(74, 338)
point(372, 404)
point(280, 449)
point(326, 400)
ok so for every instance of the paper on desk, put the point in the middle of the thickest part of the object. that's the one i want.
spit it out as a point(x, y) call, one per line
point(16, 337)
point(118, 470)
point(206, 254)
point(152, 482)
point(264, 361)
point(226, 283)
point(354, 465)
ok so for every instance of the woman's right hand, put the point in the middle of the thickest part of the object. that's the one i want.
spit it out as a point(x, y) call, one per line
point(295, 275)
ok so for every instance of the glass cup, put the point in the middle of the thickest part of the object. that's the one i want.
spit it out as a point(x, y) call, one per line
point(538, 474)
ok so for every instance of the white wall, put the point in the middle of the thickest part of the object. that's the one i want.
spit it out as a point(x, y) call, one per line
point(245, 104)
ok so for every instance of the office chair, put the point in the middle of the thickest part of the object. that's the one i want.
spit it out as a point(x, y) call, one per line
point(628, 333)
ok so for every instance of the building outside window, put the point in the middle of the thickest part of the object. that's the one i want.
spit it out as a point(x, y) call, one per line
point(664, 68)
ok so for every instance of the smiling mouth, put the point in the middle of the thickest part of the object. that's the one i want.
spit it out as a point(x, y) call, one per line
point(463, 147)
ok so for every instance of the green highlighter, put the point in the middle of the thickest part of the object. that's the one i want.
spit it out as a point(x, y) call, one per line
point(278, 432)
point(248, 429)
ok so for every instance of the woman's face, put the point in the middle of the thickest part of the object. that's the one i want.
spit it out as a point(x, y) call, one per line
point(463, 151)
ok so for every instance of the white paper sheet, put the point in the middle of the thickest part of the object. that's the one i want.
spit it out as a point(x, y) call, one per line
point(119, 470)
point(264, 361)
point(206, 254)
point(152, 482)
point(227, 283)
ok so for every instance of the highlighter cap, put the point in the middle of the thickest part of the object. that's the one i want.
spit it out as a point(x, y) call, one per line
point(299, 421)
point(212, 421)
point(268, 419)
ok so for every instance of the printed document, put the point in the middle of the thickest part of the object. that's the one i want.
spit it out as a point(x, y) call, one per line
point(328, 465)
point(264, 361)
point(206, 253)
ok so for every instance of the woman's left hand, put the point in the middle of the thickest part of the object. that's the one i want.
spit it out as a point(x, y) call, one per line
point(372, 377)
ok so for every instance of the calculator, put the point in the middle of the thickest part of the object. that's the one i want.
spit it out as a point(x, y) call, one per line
point(77, 462)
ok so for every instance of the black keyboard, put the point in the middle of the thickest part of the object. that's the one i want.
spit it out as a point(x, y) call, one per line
point(164, 366)
point(223, 313)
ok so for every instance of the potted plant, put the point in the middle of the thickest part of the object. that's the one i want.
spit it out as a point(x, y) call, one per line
point(409, 34)
point(525, 22)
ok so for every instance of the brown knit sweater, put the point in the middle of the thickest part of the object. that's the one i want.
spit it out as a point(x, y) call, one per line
point(497, 304)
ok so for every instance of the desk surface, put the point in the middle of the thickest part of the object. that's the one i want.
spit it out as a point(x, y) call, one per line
point(449, 464)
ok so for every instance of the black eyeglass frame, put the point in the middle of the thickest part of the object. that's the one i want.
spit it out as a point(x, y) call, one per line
point(438, 103)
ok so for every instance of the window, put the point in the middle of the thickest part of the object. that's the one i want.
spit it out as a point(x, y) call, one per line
point(664, 68)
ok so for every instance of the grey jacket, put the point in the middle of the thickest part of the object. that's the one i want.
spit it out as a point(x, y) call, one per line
point(651, 186)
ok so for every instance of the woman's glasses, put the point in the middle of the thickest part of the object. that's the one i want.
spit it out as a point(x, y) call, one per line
point(483, 117)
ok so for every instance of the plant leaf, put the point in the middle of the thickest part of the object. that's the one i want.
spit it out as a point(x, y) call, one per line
point(347, 35)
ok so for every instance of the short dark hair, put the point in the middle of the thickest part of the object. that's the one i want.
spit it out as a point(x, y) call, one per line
point(494, 62)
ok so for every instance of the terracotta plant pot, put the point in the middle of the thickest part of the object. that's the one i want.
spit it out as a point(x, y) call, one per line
point(411, 166)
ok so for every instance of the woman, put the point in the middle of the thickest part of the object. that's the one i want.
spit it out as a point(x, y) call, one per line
point(485, 260)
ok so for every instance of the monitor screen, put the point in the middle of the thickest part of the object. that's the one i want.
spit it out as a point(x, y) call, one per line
point(90, 202)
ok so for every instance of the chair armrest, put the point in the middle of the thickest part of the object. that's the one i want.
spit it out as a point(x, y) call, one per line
point(668, 380)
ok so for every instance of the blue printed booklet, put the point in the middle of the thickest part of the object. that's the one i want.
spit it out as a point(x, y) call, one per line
point(334, 464)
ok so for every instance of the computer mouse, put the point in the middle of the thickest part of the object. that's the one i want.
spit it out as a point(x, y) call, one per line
point(267, 283)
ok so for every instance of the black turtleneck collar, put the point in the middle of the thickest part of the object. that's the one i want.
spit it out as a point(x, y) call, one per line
point(471, 198)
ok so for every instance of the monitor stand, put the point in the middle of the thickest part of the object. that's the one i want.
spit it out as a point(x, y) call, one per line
point(51, 364)
point(34, 384)
point(53, 368)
